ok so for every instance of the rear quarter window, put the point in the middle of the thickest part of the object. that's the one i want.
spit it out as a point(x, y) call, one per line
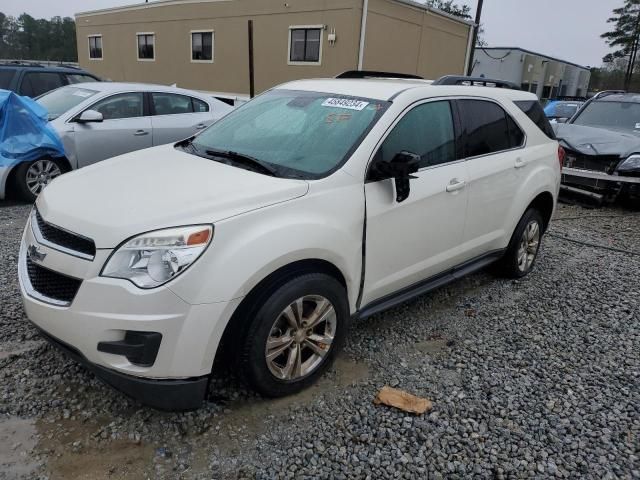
point(534, 111)
point(6, 77)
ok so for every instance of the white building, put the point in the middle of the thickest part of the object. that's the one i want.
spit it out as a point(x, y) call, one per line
point(546, 76)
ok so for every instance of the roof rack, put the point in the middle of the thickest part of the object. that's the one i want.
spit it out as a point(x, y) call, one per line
point(475, 82)
point(374, 74)
point(18, 63)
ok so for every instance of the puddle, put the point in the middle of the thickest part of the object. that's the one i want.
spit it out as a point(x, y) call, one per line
point(17, 348)
point(17, 440)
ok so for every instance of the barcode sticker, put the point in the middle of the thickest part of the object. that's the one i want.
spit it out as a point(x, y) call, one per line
point(345, 103)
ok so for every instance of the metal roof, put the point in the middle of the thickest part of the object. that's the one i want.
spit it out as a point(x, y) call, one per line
point(531, 52)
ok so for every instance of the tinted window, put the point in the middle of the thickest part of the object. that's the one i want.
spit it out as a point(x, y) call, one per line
point(6, 76)
point(199, 106)
point(516, 135)
point(37, 83)
point(485, 127)
point(123, 105)
point(427, 130)
point(170, 104)
point(305, 45)
point(534, 111)
point(95, 47)
point(80, 78)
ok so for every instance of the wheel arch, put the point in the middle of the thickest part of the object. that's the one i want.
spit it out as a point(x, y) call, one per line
point(544, 203)
point(9, 185)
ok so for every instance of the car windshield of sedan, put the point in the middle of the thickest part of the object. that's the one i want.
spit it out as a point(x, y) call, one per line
point(63, 99)
point(293, 133)
point(611, 115)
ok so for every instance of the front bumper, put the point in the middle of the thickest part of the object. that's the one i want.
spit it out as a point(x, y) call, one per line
point(104, 310)
point(601, 182)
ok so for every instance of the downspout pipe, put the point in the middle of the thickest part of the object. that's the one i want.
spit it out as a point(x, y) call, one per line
point(363, 33)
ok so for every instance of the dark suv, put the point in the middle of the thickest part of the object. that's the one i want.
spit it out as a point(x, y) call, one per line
point(32, 80)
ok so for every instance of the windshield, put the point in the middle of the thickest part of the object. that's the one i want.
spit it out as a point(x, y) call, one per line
point(63, 99)
point(299, 134)
point(611, 115)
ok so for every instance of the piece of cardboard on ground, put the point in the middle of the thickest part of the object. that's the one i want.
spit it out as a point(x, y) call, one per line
point(403, 400)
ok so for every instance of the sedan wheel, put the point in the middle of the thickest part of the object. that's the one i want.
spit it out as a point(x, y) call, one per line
point(40, 174)
point(301, 337)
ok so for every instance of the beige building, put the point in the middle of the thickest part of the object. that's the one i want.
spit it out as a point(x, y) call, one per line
point(206, 44)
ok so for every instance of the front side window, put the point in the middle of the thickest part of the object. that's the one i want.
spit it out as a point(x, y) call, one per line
point(95, 47)
point(427, 130)
point(146, 46)
point(122, 105)
point(37, 83)
point(202, 46)
point(611, 115)
point(300, 134)
point(485, 127)
point(64, 99)
point(305, 45)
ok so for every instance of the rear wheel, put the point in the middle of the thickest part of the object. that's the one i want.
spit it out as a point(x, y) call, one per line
point(294, 335)
point(523, 249)
point(31, 177)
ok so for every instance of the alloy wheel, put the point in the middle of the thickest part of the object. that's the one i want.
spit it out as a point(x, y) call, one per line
point(301, 337)
point(40, 174)
point(528, 246)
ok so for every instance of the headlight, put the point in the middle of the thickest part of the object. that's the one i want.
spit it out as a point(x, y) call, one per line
point(631, 163)
point(152, 259)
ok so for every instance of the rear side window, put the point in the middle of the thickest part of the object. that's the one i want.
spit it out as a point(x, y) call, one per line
point(485, 128)
point(199, 106)
point(534, 111)
point(37, 83)
point(6, 76)
point(172, 104)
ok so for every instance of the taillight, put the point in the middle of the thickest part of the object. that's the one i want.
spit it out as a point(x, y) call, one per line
point(561, 156)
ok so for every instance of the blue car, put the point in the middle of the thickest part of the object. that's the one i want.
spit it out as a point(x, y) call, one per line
point(557, 109)
point(32, 79)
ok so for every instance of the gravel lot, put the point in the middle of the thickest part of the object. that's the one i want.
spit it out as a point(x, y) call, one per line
point(538, 377)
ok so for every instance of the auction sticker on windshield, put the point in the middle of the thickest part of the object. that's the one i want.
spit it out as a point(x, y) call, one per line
point(345, 103)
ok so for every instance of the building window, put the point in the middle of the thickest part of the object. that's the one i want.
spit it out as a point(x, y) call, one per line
point(95, 47)
point(305, 45)
point(202, 46)
point(146, 46)
point(525, 87)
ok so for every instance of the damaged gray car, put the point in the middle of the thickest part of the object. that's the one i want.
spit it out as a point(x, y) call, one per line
point(602, 144)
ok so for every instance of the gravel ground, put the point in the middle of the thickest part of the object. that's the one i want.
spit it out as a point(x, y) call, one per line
point(532, 378)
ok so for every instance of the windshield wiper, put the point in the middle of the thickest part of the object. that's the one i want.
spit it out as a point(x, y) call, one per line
point(188, 143)
point(245, 160)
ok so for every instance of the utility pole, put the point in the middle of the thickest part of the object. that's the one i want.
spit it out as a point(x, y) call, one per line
point(475, 37)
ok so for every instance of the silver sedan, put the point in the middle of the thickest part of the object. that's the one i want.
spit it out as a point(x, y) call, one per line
point(96, 121)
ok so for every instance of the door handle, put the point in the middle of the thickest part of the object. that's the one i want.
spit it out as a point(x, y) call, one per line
point(140, 133)
point(200, 126)
point(519, 163)
point(455, 185)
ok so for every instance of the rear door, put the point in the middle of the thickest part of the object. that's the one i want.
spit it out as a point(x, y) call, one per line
point(176, 117)
point(126, 127)
point(420, 237)
point(496, 163)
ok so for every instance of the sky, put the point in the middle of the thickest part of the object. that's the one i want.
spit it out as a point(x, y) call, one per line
point(566, 29)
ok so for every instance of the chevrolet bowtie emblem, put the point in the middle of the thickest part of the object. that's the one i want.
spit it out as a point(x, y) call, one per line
point(34, 254)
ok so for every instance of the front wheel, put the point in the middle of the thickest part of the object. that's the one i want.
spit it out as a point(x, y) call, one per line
point(524, 246)
point(31, 177)
point(294, 335)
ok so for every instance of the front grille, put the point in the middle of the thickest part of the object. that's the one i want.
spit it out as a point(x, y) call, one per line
point(51, 284)
point(597, 163)
point(62, 238)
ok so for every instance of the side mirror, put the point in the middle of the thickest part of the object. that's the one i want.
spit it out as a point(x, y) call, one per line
point(90, 116)
point(400, 168)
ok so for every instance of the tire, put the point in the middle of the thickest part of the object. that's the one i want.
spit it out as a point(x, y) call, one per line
point(274, 320)
point(31, 177)
point(526, 241)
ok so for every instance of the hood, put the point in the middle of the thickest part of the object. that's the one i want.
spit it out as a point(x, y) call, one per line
point(156, 188)
point(596, 141)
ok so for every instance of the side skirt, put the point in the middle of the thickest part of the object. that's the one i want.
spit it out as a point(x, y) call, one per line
point(425, 286)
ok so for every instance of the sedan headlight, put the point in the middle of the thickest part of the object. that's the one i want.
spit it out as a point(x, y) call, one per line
point(152, 259)
point(631, 163)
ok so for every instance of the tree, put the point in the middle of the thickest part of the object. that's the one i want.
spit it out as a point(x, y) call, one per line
point(451, 7)
point(625, 36)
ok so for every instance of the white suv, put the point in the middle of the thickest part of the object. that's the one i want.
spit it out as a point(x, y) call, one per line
point(317, 201)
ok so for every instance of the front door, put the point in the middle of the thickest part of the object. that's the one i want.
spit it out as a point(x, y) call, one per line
point(124, 129)
point(420, 237)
